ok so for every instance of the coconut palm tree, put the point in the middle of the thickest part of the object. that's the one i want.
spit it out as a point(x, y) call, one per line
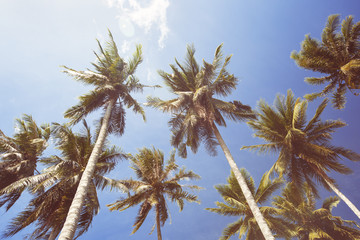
point(305, 152)
point(195, 111)
point(114, 82)
point(337, 56)
point(155, 181)
point(235, 205)
point(19, 156)
point(299, 208)
point(56, 186)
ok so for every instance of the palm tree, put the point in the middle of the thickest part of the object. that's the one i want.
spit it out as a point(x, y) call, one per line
point(305, 152)
point(299, 208)
point(19, 156)
point(337, 56)
point(56, 186)
point(155, 181)
point(195, 112)
point(235, 205)
point(114, 80)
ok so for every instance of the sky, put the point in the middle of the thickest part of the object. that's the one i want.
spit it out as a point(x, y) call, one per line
point(38, 37)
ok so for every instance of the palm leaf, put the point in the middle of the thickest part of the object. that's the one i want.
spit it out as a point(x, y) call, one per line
point(156, 180)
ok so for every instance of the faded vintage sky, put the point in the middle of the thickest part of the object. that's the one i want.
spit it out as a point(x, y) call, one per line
point(39, 36)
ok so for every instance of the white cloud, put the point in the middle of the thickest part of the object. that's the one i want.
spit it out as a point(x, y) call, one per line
point(126, 26)
point(150, 75)
point(144, 15)
point(125, 47)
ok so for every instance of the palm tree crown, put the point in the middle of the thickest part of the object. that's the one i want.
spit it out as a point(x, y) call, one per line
point(195, 112)
point(19, 156)
point(155, 181)
point(235, 205)
point(114, 80)
point(305, 152)
point(298, 207)
point(56, 186)
point(196, 109)
point(337, 56)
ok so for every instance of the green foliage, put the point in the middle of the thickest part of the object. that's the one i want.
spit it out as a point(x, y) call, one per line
point(114, 80)
point(55, 187)
point(195, 109)
point(155, 181)
point(337, 56)
point(235, 204)
point(305, 152)
point(19, 156)
point(297, 207)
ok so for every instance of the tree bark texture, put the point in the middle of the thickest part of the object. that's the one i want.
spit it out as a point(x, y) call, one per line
point(245, 189)
point(344, 198)
point(69, 228)
point(158, 224)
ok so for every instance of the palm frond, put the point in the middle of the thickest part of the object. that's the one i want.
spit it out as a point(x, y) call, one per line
point(88, 103)
point(135, 61)
point(104, 182)
point(232, 229)
point(330, 202)
point(156, 180)
point(266, 188)
point(305, 152)
point(234, 204)
point(142, 214)
point(226, 210)
point(331, 57)
point(196, 109)
point(114, 80)
point(54, 189)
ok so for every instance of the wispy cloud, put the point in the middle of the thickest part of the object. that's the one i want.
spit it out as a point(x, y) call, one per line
point(150, 75)
point(145, 15)
point(125, 47)
point(99, 36)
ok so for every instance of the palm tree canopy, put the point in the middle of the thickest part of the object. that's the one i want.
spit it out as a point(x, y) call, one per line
point(298, 207)
point(114, 80)
point(305, 152)
point(19, 155)
point(235, 204)
point(56, 186)
point(337, 56)
point(195, 109)
point(155, 181)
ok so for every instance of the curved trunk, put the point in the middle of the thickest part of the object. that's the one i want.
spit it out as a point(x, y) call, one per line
point(158, 225)
point(245, 189)
point(68, 231)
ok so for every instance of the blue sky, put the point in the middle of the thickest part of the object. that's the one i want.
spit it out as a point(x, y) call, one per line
point(39, 36)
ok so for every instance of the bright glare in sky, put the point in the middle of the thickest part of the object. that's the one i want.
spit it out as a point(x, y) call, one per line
point(39, 36)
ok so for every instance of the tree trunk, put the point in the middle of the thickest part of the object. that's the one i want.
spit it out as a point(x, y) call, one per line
point(158, 225)
point(344, 198)
point(69, 228)
point(245, 189)
point(337, 191)
point(54, 233)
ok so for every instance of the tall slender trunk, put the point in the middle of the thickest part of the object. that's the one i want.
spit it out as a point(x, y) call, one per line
point(158, 225)
point(69, 228)
point(340, 195)
point(244, 188)
point(344, 198)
